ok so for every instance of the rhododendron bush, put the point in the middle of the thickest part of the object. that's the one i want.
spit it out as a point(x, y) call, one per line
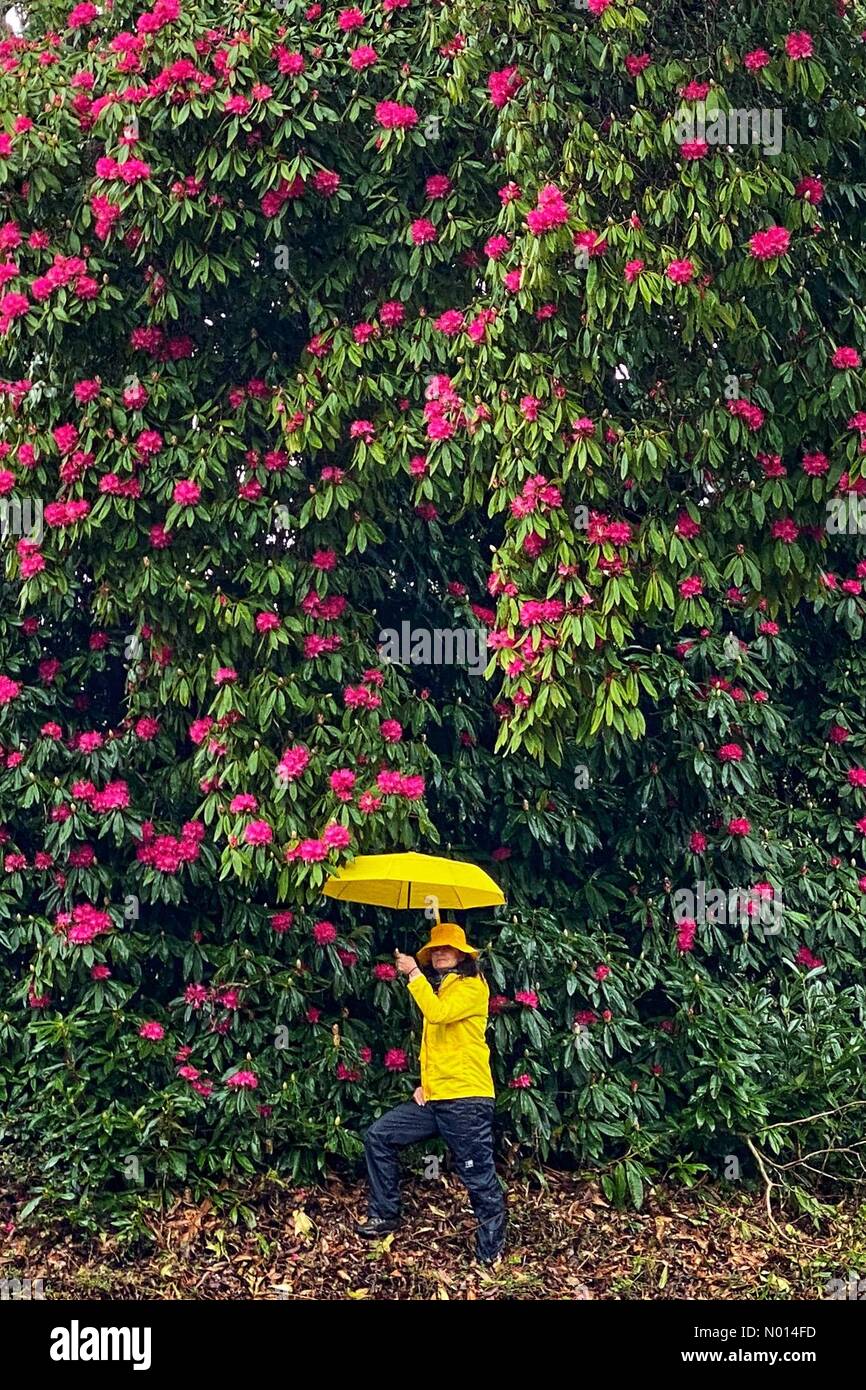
point(316, 320)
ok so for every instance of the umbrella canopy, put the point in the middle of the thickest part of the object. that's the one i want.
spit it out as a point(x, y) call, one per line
point(411, 880)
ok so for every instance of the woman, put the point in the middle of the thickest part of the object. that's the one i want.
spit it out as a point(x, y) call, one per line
point(455, 1098)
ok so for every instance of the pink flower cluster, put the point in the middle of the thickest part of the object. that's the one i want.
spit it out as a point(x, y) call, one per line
point(537, 494)
point(334, 837)
point(730, 753)
point(243, 1080)
point(167, 853)
point(686, 931)
point(82, 924)
point(293, 763)
point(391, 115)
point(805, 957)
point(59, 514)
point(113, 797)
point(64, 271)
point(324, 182)
point(745, 410)
point(551, 211)
point(602, 529)
point(9, 690)
point(768, 245)
point(131, 171)
point(105, 215)
point(503, 85)
point(534, 611)
point(393, 783)
point(443, 412)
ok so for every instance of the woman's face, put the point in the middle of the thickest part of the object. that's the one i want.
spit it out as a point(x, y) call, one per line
point(444, 957)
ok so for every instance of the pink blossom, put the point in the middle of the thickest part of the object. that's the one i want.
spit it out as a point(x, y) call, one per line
point(503, 85)
point(730, 753)
point(312, 851)
point(757, 59)
point(686, 931)
point(438, 186)
point(80, 15)
point(423, 232)
point(799, 45)
point(810, 189)
point(691, 587)
point(243, 1080)
point(258, 832)
point(392, 116)
point(364, 56)
point(551, 211)
point(186, 493)
point(846, 357)
point(9, 690)
point(336, 836)
point(680, 272)
point(804, 957)
point(342, 781)
point(324, 933)
point(392, 313)
point(785, 530)
point(293, 763)
point(766, 246)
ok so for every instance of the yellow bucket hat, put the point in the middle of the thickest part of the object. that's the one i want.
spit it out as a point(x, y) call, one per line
point(445, 934)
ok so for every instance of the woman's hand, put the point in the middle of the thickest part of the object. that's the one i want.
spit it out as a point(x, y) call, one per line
point(405, 964)
point(418, 1095)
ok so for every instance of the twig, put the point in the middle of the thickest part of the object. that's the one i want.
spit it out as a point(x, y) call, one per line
point(822, 1115)
point(768, 1183)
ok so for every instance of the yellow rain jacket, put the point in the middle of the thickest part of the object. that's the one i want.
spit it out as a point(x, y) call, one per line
point(455, 1058)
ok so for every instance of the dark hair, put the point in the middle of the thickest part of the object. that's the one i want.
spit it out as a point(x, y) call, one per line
point(467, 966)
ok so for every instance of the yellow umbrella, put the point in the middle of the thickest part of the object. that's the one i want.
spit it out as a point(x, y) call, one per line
point(414, 880)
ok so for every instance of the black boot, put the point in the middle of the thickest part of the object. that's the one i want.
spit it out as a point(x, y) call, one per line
point(374, 1228)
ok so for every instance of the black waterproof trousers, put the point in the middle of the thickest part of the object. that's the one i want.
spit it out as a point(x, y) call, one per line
point(467, 1128)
